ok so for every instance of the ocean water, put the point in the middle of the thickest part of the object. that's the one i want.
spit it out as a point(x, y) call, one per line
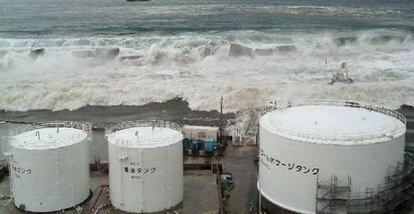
point(183, 47)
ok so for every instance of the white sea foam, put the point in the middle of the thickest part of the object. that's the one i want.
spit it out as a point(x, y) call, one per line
point(197, 68)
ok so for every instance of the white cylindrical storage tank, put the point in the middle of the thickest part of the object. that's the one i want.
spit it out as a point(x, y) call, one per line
point(145, 166)
point(305, 143)
point(49, 166)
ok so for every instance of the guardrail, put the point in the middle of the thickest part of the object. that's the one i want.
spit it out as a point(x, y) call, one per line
point(310, 133)
point(279, 105)
point(84, 126)
point(143, 123)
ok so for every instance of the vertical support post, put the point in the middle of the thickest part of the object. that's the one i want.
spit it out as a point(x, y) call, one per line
point(11, 180)
point(221, 120)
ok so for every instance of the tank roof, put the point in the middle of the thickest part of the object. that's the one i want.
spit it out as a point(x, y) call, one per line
point(48, 138)
point(145, 137)
point(334, 124)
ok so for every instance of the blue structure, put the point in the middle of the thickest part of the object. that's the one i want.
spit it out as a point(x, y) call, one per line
point(186, 143)
point(210, 145)
point(195, 146)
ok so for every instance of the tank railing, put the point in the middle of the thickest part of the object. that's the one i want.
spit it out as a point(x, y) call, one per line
point(142, 123)
point(84, 126)
point(309, 133)
point(283, 105)
point(59, 142)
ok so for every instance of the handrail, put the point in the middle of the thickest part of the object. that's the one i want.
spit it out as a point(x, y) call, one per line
point(143, 123)
point(309, 133)
point(84, 126)
point(345, 103)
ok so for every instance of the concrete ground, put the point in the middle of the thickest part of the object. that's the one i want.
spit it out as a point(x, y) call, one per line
point(200, 194)
point(239, 160)
point(5, 202)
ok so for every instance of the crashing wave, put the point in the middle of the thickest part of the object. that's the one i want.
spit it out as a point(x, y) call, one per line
point(197, 68)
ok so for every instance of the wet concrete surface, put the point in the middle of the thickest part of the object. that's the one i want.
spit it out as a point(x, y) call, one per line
point(174, 110)
point(200, 195)
point(240, 162)
point(200, 192)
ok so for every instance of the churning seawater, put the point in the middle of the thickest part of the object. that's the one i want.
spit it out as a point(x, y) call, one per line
point(183, 47)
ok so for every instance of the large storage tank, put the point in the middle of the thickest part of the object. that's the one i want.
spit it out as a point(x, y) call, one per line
point(346, 146)
point(49, 166)
point(145, 166)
